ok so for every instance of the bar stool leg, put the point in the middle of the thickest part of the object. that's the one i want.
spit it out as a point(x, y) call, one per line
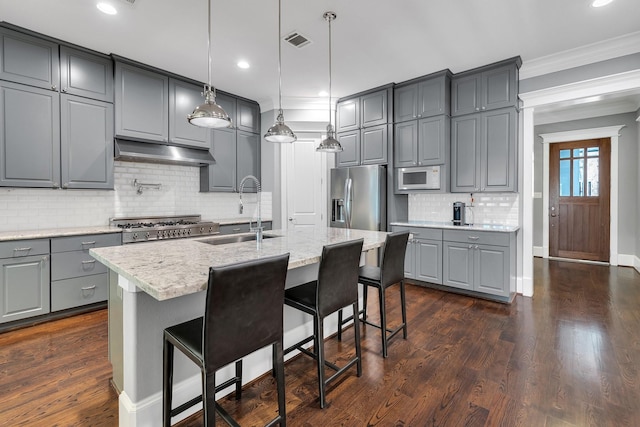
point(209, 398)
point(279, 367)
point(239, 377)
point(404, 309)
point(319, 344)
point(167, 383)
point(356, 327)
point(364, 302)
point(340, 325)
point(383, 320)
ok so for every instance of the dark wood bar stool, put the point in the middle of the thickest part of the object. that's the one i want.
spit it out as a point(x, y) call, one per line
point(243, 313)
point(390, 272)
point(336, 288)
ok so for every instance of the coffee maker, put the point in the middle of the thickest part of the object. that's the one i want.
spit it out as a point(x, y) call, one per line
point(458, 213)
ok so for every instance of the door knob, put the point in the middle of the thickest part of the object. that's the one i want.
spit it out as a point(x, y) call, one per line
point(290, 219)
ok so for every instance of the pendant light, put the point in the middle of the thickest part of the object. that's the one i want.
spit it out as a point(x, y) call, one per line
point(330, 144)
point(280, 132)
point(209, 114)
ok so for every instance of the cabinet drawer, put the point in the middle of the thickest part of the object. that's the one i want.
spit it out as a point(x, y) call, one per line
point(420, 232)
point(85, 242)
point(66, 265)
point(22, 248)
point(477, 237)
point(79, 291)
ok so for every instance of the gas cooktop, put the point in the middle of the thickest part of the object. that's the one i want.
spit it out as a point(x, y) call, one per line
point(142, 229)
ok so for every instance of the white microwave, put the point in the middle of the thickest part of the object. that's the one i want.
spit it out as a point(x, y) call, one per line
point(419, 178)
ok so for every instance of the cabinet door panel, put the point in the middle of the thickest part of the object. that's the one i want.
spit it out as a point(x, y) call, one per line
point(30, 143)
point(406, 144)
point(499, 141)
point(457, 266)
point(183, 98)
point(28, 60)
point(248, 116)
point(374, 145)
point(465, 93)
point(24, 287)
point(431, 98)
point(86, 75)
point(465, 154)
point(405, 103)
point(248, 159)
point(492, 270)
point(79, 291)
point(142, 100)
point(410, 261)
point(228, 104)
point(499, 88)
point(374, 109)
point(348, 115)
point(433, 134)
point(86, 143)
point(429, 261)
point(350, 154)
point(221, 176)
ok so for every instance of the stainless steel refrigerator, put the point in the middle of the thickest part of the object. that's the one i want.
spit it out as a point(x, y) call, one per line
point(358, 198)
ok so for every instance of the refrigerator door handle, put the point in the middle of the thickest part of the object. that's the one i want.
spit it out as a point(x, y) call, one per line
point(347, 200)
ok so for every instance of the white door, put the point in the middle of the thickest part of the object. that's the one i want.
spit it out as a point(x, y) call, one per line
point(304, 176)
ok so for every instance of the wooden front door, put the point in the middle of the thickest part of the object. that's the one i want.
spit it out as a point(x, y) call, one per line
point(579, 181)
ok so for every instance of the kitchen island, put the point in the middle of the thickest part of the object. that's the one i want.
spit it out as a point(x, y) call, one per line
point(159, 284)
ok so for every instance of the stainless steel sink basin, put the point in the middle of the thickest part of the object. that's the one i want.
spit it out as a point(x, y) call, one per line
point(233, 238)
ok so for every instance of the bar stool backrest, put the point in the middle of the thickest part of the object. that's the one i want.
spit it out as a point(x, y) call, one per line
point(338, 276)
point(392, 263)
point(244, 309)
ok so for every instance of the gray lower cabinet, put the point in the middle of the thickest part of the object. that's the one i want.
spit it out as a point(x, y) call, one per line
point(28, 60)
point(484, 152)
point(77, 278)
point(24, 279)
point(367, 146)
point(479, 261)
point(29, 143)
point(86, 143)
point(423, 259)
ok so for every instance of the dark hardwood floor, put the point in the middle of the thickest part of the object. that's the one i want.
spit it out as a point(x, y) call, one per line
point(570, 356)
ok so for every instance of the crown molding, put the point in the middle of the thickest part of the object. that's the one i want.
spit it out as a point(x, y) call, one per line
point(588, 54)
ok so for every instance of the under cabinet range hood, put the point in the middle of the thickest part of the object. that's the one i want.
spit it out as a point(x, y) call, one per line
point(134, 151)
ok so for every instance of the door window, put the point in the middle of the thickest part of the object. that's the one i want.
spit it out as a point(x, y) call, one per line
point(579, 172)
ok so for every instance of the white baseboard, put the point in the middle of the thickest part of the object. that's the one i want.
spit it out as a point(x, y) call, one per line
point(538, 251)
point(625, 260)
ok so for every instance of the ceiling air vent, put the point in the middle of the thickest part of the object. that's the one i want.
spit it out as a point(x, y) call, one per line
point(129, 2)
point(297, 40)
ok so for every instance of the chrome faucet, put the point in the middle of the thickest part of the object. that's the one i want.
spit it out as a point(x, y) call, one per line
point(258, 228)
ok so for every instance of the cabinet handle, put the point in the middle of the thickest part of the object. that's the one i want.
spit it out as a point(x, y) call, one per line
point(235, 229)
point(22, 249)
point(484, 108)
point(470, 246)
point(473, 237)
point(65, 185)
point(54, 87)
point(93, 261)
point(88, 243)
point(476, 247)
point(88, 288)
point(56, 185)
point(64, 90)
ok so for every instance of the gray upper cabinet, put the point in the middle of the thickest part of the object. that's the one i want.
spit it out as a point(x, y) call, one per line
point(361, 112)
point(483, 152)
point(248, 158)
point(491, 87)
point(430, 96)
point(350, 154)
point(141, 103)
point(28, 60)
point(86, 75)
point(86, 143)
point(422, 142)
point(373, 146)
point(247, 116)
point(183, 98)
point(228, 104)
point(30, 148)
point(221, 176)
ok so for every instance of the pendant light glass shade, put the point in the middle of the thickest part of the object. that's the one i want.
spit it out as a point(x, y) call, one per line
point(209, 114)
point(280, 132)
point(330, 144)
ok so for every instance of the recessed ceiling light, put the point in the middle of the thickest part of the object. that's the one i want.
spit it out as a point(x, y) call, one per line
point(600, 3)
point(323, 93)
point(106, 8)
point(243, 64)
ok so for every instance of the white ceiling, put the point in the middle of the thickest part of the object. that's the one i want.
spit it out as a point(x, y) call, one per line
point(375, 42)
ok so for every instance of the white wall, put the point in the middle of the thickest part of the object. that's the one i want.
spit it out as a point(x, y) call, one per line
point(637, 261)
point(29, 209)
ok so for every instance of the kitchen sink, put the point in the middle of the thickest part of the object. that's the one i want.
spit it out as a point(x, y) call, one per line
point(233, 238)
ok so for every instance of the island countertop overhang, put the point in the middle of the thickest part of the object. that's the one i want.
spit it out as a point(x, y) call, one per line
point(173, 268)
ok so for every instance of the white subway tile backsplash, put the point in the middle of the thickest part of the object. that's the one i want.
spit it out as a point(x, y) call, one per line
point(498, 208)
point(24, 208)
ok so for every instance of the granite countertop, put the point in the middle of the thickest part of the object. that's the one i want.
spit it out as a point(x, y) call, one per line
point(449, 225)
point(172, 268)
point(56, 232)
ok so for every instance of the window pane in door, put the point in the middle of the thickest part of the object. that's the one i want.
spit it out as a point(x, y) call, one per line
point(593, 151)
point(593, 177)
point(565, 154)
point(578, 177)
point(578, 152)
point(565, 178)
